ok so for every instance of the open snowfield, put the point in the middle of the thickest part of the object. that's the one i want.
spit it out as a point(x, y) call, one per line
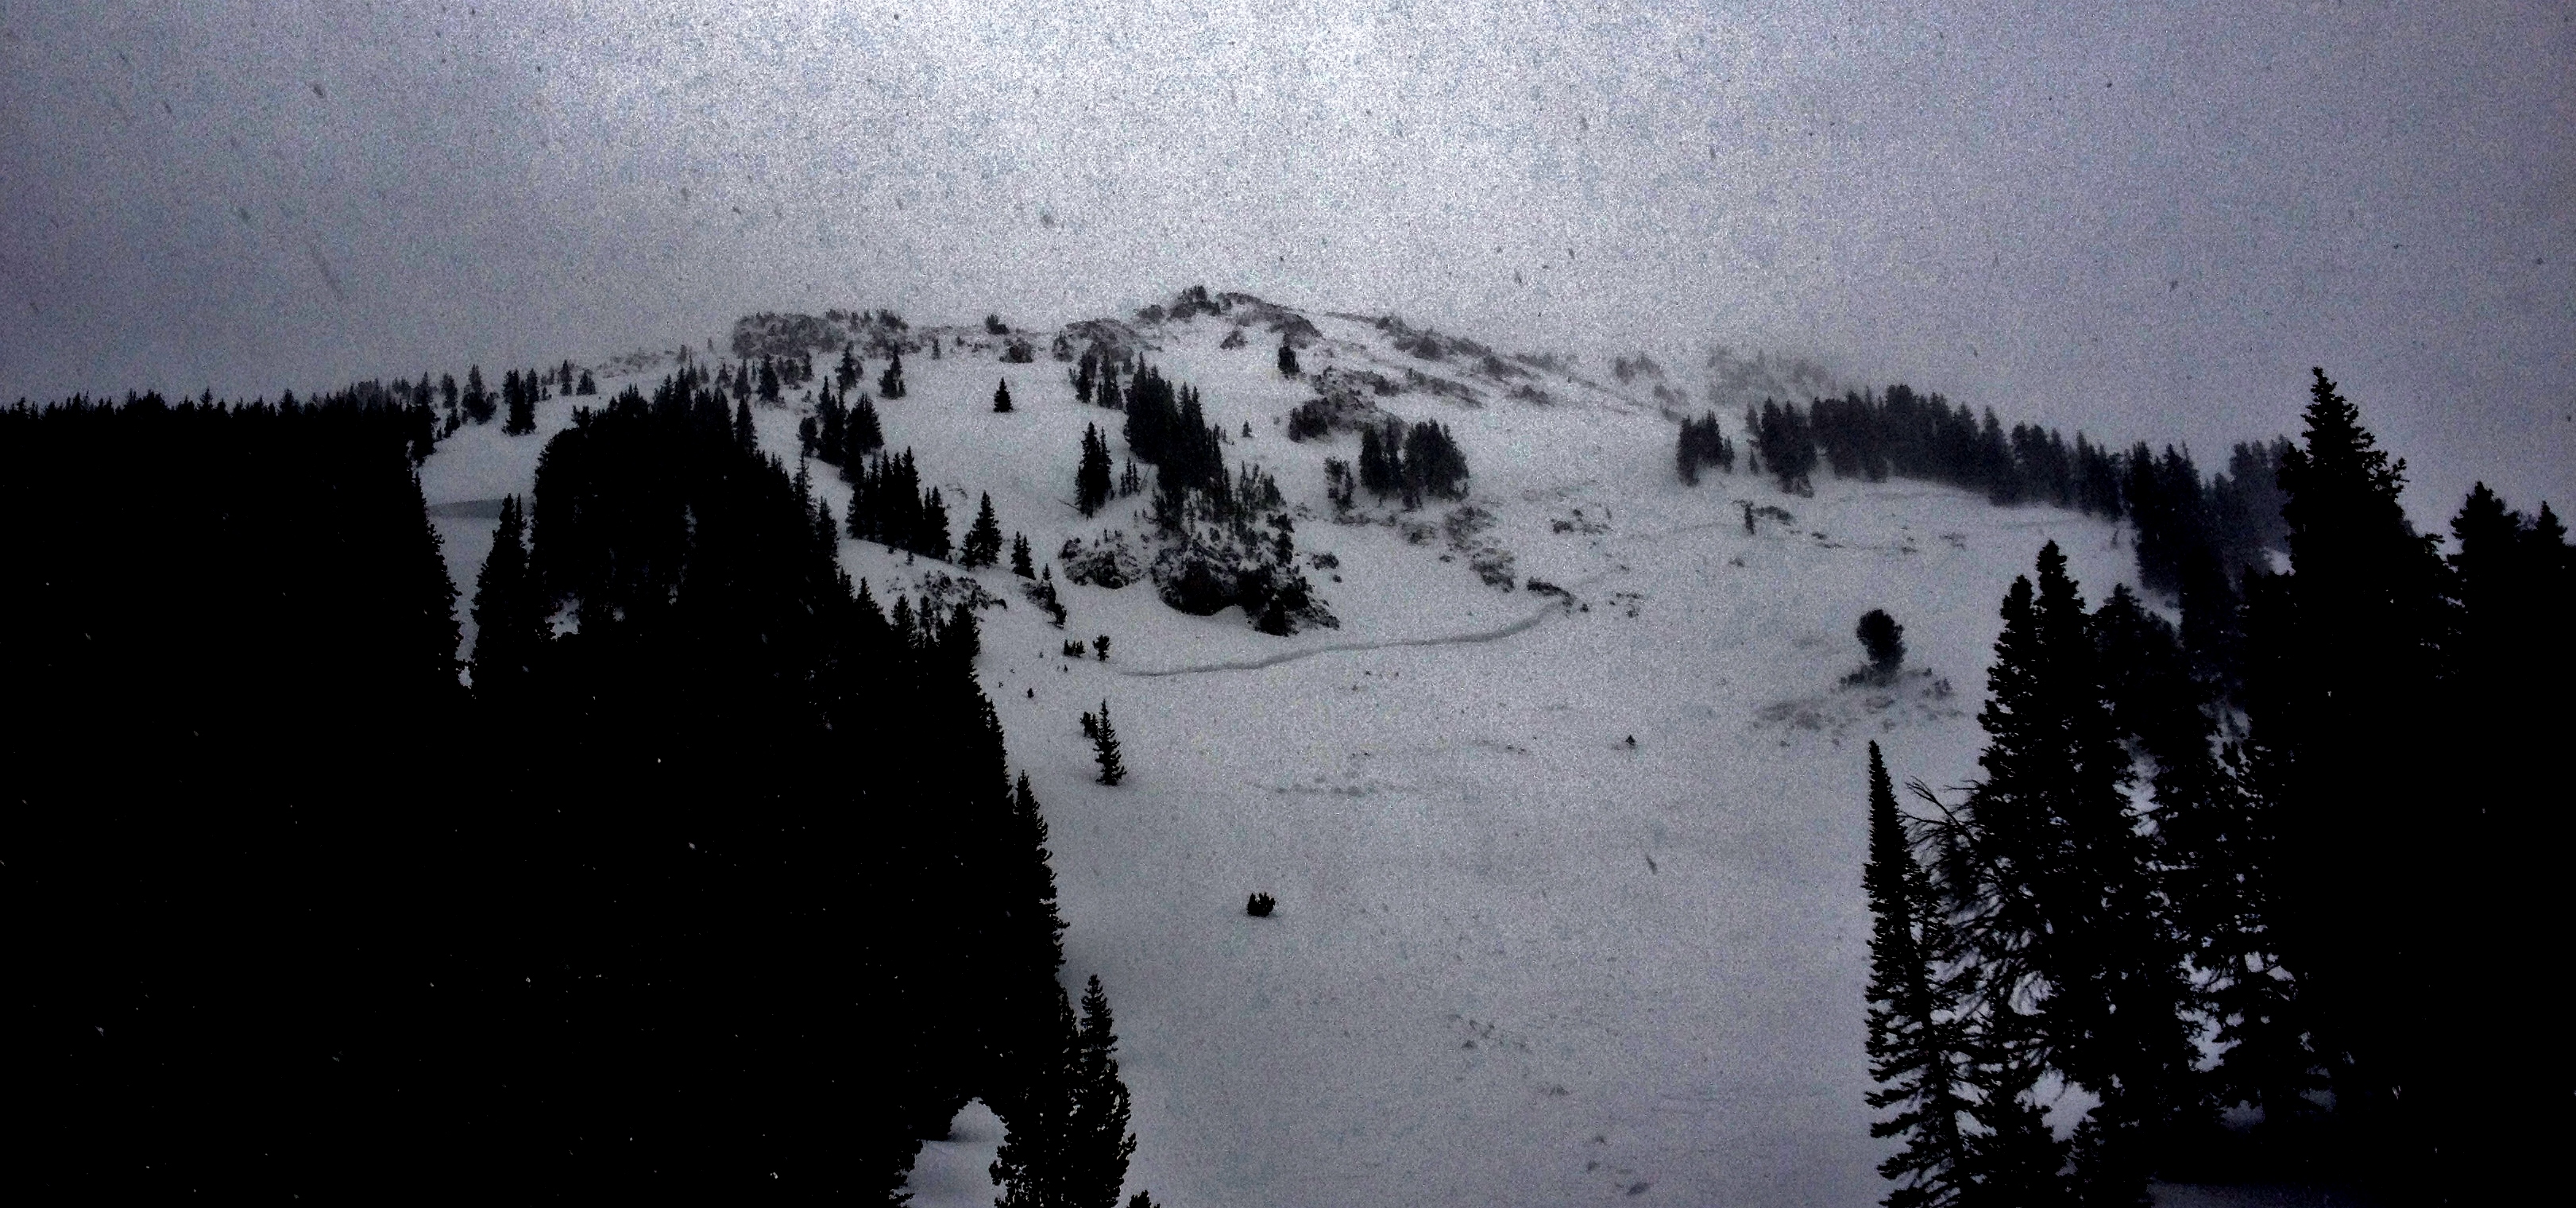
point(1517, 959)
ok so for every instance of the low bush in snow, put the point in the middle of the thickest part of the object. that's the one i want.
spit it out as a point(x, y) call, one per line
point(1105, 561)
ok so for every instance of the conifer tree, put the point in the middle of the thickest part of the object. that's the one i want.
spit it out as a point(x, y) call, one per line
point(2078, 970)
point(521, 394)
point(930, 540)
point(1083, 374)
point(983, 545)
point(899, 622)
point(961, 638)
point(1030, 835)
point(1914, 1019)
point(1104, 748)
point(2334, 693)
point(1287, 359)
point(847, 373)
point(1098, 1144)
point(509, 613)
point(768, 380)
point(890, 382)
point(1002, 397)
point(1380, 465)
point(1020, 564)
point(861, 434)
point(1091, 476)
point(1034, 1167)
point(743, 433)
point(478, 401)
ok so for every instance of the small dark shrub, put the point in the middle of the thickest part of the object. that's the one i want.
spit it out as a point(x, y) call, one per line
point(1073, 648)
point(1310, 421)
point(1260, 905)
point(1883, 639)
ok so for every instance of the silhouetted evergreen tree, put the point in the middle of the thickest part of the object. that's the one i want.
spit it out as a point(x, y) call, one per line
point(1098, 1144)
point(1785, 444)
point(931, 539)
point(1702, 444)
point(521, 394)
point(1091, 475)
point(2336, 675)
point(1034, 1166)
point(890, 382)
point(864, 435)
point(983, 545)
point(2079, 971)
point(1020, 564)
point(1432, 463)
point(510, 629)
point(478, 403)
point(1104, 744)
point(1002, 397)
point(1914, 1018)
point(1083, 375)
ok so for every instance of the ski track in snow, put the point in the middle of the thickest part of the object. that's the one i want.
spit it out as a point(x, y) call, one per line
point(1470, 638)
point(1476, 637)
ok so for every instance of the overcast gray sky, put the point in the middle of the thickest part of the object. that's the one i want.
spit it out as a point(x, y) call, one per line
point(2145, 220)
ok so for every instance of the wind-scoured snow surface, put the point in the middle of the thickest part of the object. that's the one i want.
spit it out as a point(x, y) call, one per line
point(1516, 959)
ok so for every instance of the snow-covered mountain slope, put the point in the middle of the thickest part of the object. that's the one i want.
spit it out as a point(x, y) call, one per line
point(1517, 958)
